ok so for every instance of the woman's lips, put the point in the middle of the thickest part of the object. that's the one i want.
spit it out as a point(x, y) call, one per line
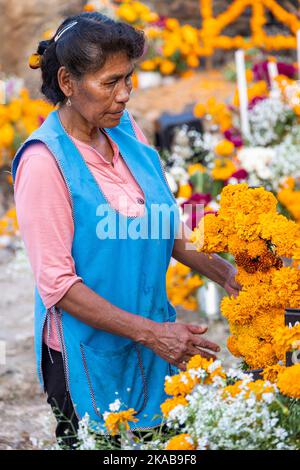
point(117, 115)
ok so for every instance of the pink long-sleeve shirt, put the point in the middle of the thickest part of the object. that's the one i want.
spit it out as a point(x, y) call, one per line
point(44, 213)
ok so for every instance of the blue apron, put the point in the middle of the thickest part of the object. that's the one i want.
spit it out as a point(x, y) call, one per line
point(122, 259)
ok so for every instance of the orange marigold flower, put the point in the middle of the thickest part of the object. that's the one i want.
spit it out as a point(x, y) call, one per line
point(171, 403)
point(224, 148)
point(180, 384)
point(199, 362)
point(181, 442)
point(271, 373)
point(232, 345)
point(114, 421)
point(289, 381)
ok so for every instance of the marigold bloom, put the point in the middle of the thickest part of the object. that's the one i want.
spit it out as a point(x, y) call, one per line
point(270, 373)
point(180, 384)
point(289, 381)
point(180, 442)
point(224, 148)
point(114, 421)
point(171, 403)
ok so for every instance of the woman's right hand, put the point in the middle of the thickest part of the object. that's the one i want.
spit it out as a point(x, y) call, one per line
point(178, 342)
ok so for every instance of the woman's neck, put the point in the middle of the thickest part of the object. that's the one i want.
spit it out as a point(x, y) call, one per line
point(78, 128)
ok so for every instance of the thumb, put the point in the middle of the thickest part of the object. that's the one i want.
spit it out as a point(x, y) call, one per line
point(197, 329)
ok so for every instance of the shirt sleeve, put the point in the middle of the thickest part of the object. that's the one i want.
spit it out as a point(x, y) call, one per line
point(139, 133)
point(44, 214)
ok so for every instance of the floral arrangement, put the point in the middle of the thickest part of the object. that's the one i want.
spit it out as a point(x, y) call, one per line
point(8, 226)
point(172, 49)
point(182, 285)
point(249, 227)
point(270, 154)
point(19, 117)
point(212, 27)
point(211, 409)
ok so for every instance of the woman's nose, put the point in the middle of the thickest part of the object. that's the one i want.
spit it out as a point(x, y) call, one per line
point(123, 95)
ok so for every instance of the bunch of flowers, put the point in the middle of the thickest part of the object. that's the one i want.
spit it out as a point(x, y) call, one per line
point(289, 196)
point(19, 117)
point(270, 154)
point(248, 226)
point(8, 225)
point(212, 409)
point(212, 27)
point(172, 48)
point(182, 285)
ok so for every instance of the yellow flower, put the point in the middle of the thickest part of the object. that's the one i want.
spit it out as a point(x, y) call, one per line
point(232, 346)
point(167, 67)
point(169, 49)
point(224, 148)
point(148, 65)
point(270, 373)
point(115, 421)
point(35, 61)
point(172, 24)
point(193, 61)
point(199, 110)
point(182, 285)
point(127, 13)
point(259, 387)
point(185, 191)
point(195, 167)
point(171, 403)
point(199, 362)
point(286, 339)
point(289, 381)
point(180, 384)
point(6, 135)
point(181, 442)
point(223, 169)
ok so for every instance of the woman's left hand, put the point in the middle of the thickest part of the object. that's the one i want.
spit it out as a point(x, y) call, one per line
point(231, 286)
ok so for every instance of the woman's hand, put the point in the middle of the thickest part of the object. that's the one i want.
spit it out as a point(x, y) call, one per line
point(231, 286)
point(178, 342)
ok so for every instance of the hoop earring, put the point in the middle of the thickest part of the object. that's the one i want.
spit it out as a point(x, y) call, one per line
point(68, 103)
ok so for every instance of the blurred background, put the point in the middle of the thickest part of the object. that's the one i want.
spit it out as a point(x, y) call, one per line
point(202, 58)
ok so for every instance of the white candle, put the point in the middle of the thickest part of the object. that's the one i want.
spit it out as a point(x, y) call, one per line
point(273, 73)
point(298, 52)
point(243, 92)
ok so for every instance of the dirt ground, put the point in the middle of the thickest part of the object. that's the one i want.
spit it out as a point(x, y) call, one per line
point(25, 417)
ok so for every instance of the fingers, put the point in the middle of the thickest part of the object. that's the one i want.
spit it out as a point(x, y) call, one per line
point(197, 329)
point(205, 344)
point(182, 365)
point(205, 354)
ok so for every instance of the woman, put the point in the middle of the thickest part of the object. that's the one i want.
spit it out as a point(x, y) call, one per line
point(86, 187)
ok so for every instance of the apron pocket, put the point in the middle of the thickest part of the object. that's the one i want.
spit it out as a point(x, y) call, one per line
point(112, 375)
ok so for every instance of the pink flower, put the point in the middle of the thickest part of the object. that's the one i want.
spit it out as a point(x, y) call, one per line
point(234, 136)
point(195, 215)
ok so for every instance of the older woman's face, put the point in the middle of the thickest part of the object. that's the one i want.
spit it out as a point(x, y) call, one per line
point(101, 97)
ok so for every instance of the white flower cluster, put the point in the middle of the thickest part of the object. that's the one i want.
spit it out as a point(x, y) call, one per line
point(270, 165)
point(269, 119)
point(218, 422)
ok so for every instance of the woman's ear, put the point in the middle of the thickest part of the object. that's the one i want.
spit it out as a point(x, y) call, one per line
point(66, 83)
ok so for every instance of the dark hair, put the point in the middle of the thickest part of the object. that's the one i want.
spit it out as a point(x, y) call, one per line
point(84, 48)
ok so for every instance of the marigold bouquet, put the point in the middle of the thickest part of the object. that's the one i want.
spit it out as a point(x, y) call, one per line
point(249, 227)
